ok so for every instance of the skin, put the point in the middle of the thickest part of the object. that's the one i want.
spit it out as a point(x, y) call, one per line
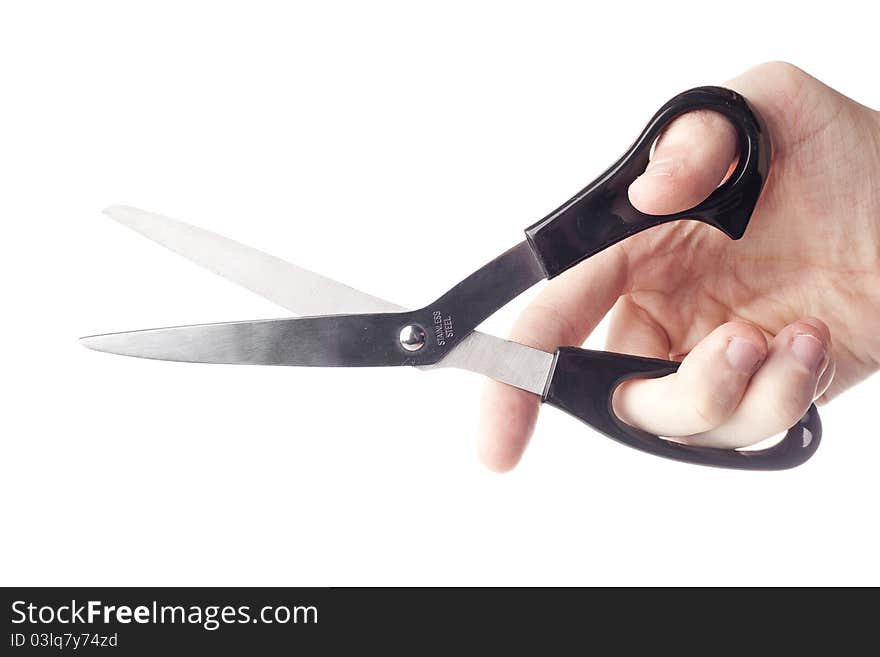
point(751, 320)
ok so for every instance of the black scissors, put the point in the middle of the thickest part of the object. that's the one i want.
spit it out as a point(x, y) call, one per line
point(348, 328)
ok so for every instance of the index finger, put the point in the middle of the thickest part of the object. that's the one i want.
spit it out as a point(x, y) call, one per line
point(565, 313)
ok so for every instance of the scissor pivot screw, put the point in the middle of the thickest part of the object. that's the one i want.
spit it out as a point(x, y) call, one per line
point(412, 337)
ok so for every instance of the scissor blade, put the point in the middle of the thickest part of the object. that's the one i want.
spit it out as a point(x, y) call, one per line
point(306, 293)
point(298, 290)
point(326, 341)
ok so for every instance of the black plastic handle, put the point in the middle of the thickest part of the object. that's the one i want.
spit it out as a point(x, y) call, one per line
point(582, 384)
point(601, 215)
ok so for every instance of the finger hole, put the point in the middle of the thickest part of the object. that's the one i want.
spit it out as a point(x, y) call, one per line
point(693, 156)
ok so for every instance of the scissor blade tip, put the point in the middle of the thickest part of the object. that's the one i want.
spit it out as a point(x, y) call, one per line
point(89, 342)
point(117, 211)
point(100, 342)
point(107, 344)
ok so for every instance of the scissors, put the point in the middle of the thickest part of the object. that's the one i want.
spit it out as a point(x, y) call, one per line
point(343, 327)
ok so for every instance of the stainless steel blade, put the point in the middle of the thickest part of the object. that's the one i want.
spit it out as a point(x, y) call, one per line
point(325, 341)
point(298, 290)
point(307, 341)
point(305, 292)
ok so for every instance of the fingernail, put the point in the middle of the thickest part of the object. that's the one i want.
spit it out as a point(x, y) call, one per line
point(662, 167)
point(743, 356)
point(809, 350)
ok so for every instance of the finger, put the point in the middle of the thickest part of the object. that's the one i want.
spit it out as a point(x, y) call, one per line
point(633, 331)
point(704, 392)
point(690, 160)
point(797, 370)
point(563, 314)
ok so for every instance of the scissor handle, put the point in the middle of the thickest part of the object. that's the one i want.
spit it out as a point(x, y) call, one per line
point(583, 382)
point(601, 215)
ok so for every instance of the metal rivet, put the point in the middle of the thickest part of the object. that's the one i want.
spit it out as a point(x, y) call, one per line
point(412, 337)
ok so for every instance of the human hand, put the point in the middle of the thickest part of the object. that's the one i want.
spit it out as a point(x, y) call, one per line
point(752, 319)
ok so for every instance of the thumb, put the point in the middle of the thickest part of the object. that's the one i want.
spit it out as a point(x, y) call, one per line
point(690, 159)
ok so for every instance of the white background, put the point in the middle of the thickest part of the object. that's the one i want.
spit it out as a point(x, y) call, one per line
point(395, 147)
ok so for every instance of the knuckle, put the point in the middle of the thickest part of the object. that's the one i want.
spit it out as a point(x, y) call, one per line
point(713, 407)
point(789, 406)
point(789, 80)
point(781, 67)
point(743, 329)
point(782, 72)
